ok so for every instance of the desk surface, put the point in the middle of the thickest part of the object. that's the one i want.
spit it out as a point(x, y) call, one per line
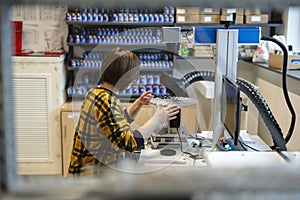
point(264, 157)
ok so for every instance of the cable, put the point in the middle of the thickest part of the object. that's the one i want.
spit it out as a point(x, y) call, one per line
point(265, 113)
point(243, 144)
point(284, 86)
point(256, 98)
point(181, 149)
point(186, 35)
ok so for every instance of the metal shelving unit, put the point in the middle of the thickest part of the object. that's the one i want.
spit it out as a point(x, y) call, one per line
point(151, 46)
point(130, 24)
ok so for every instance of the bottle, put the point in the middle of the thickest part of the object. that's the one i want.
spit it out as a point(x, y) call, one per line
point(171, 10)
point(78, 17)
point(166, 18)
point(77, 39)
point(99, 40)
point(151, 17)
point(68, 17)
point(146, 17)
point(100, 17)
point(89, 17)
point(125, 17)
point(141, 17)
point(171, 18)
point(166, 10)
point(115, 17)
point(105, 17)
point(83, 17)
point(70, 90)
point(120, 17)
point(70, 39)
point(82, 39)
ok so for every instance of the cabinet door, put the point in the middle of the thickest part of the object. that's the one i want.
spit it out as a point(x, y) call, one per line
point(69, 122)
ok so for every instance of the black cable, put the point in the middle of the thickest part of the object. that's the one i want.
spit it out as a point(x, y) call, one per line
point(243, 144)
point(265, 113)
point(181, 149)
point(284, 85)
point(186, 35)
point(287, 159)
point(256, 98)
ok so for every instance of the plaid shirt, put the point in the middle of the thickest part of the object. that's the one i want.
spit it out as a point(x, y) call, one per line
point(103, 133)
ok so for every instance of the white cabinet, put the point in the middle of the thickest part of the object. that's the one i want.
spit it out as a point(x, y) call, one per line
point(39, 91)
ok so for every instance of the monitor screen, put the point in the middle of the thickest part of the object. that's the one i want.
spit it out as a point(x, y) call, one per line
point(231, 108)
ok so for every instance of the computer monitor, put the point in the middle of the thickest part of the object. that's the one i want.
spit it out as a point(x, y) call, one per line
point(231, 108)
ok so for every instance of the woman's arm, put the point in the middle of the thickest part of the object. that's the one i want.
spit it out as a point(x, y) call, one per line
point(135, 107)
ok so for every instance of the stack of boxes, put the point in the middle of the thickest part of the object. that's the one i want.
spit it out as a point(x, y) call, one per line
point(197, 15)
point(213, 16)
point(227, 15)
point(187, 15)
point(209, 15)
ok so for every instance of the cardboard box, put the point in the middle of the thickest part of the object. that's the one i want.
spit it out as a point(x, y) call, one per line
point(209, 11)
point(180, 18)
point(238, 11)
point(210, 19)
point(202, 51)
point(276, 61)
point(256, 19)
point(252, 11)
point(228, 17)
point(187, 10)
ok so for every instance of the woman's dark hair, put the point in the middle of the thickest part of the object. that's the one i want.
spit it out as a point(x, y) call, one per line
point(120, 68)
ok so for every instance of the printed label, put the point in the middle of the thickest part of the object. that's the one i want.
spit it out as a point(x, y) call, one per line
point(207, 19)
point(73, 115)
point(180, 11)
point(231, 10)
point(255, 18)
point(181, 19)
point(208, 10)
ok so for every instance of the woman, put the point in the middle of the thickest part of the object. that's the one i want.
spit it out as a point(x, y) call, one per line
point(103, 134)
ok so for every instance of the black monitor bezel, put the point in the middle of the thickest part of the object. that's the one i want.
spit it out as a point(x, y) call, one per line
point(234, 134)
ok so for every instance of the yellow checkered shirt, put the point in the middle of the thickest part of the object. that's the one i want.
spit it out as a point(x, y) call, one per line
point(103, 134)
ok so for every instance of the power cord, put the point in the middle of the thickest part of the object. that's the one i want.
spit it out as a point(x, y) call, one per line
point(186, 36)
point(194, 157)
point(243, 144)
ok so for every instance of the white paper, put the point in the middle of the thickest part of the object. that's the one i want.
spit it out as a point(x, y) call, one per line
point(180, 11)
point(255, 18)
point(181, 19)
point(207, 19)
point(231, 10)
point(207, 10)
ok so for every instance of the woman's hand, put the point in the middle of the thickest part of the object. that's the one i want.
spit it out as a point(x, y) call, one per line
point(166, 113)
point(155, 123)
point(134, 108)
point(145, 98)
